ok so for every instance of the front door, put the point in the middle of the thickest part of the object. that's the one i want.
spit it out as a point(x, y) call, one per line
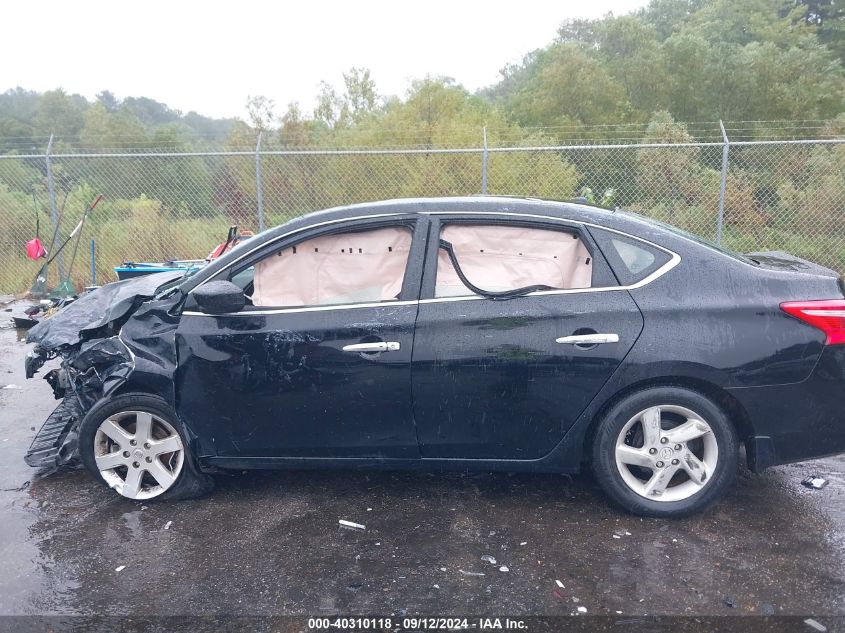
point(498, 376)
point(319, 364)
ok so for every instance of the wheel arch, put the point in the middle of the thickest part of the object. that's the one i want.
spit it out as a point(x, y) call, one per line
point(735, 412)
point(147, 384)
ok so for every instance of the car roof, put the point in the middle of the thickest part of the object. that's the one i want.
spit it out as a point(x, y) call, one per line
point(480, 202)
point(624, 221)
point(576, 212)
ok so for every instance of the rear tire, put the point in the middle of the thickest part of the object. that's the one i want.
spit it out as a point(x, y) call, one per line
point(665, 452)
point(135, 444)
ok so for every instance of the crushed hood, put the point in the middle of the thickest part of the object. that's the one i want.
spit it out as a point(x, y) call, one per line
point(97, 309)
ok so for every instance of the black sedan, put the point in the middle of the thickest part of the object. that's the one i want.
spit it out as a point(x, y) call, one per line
point(457, 333)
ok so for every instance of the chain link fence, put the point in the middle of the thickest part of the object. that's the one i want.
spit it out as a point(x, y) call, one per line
point(749, 195)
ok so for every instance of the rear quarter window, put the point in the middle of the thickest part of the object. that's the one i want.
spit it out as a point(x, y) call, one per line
point(631, 259)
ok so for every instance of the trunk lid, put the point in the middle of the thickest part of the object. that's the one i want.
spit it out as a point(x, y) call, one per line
point(784, 262)
point(778, 260)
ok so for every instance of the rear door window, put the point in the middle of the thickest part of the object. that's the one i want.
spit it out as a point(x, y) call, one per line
point(501, 258)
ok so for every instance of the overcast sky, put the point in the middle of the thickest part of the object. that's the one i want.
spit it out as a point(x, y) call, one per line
point(209, 56)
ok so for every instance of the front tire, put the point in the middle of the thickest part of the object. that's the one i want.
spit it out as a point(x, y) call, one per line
point(135, 445)
point(665, 452)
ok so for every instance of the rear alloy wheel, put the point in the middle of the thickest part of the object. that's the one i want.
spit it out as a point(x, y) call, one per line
point(134, 443)
point(138, 454)
point(665, 451)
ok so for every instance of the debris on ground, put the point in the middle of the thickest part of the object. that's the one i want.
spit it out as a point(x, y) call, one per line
point(767, 608)
point(582, 609)
point(504, 568)
point(524, 543)
point(815, 482)
point(559, 584)
point(488, 559)
point(167, 525)
point(351, 525)
point(436, 586)
point(471, 573)
point(121, 568)
point(729, 601)
point(23, 486)
point(815, 624)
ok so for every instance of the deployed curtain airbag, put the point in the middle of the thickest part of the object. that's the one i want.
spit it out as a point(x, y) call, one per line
point(335, 269)
point(501, 258)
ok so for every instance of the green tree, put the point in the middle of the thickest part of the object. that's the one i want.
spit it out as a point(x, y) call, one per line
point(828, 18)
point(261, 112)
point(149, 111)
point(360, 98)
point(329, 106)
point(665, 174)
point(57, 113)
point(109, 101)
point(104, 129)
point(631, 52)
point(686, 63)
point(569, 86)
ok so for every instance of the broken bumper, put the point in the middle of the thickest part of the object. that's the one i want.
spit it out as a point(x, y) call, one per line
point(33, 362)
point(57, 443)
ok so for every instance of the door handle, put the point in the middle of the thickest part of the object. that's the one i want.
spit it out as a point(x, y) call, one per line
point(380, 346)
point(589, 339)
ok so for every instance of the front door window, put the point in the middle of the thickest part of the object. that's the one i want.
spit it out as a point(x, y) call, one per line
point(335, 269)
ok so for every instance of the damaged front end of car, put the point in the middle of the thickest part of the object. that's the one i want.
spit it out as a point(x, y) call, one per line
point(101, 338)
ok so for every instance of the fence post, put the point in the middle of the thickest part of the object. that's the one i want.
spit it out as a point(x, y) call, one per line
point(720, 221)
point(93, 263)
point(259, 184)
point(54, 211)
point(484, 157)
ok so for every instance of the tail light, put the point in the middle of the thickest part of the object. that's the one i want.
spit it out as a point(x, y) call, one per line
point(828, 316)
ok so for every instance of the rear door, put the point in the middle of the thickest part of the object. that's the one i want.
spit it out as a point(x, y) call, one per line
point(505, 378)
point(319, 365)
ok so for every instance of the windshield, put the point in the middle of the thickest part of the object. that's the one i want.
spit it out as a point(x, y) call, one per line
point(690, 236)
point(170, 287)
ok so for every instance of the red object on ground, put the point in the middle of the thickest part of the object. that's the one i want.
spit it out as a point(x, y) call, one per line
point(35, 250)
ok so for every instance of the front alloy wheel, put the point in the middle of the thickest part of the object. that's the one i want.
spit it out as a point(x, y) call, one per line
point(139, 454)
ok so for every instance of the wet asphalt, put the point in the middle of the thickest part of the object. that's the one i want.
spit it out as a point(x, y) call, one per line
point(269, 543)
